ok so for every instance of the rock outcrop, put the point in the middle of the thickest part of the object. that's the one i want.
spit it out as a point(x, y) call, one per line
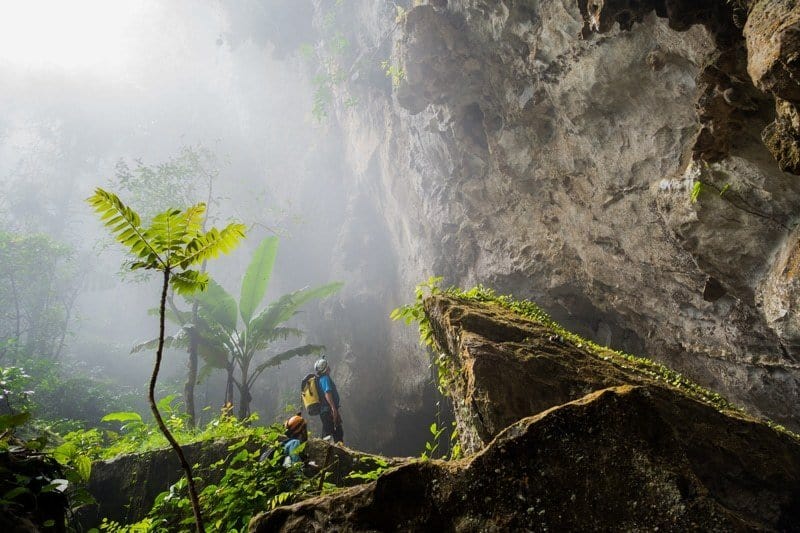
point(603, 158)
point(126, 487)
point(636, 456)
point(503, 367)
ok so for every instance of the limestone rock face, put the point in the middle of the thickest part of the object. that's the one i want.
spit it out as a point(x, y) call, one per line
point(568, 438)
point(623, 458)
point(604, 159)
point(773, 43)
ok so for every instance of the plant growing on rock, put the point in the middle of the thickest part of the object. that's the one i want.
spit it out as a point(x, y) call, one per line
point(172, 244)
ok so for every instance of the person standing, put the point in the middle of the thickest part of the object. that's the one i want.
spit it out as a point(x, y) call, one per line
point(329, 412)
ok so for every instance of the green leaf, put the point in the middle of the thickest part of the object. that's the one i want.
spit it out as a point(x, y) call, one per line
point(285, 307)
point(165, 403)
point(12, 421)
point(56, 485)
point(16, 491)
point(65, 452)
point(177, 341)
point(189, 282)
point(697, 188)
point(239, 457)
point(275, 360)
point(84, 467)
point(122, 416)
point(124, 224)
point(211, 244)
point(256, 279)
point(219, 306)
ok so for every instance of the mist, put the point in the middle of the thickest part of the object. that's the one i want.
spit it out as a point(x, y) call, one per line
point(93, 90)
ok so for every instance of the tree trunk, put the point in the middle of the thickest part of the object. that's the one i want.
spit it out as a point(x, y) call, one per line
point(244, 394)
point(151, 397)
point(244, 402)
point(17, 321)
point(191, 373)
point(229, 386)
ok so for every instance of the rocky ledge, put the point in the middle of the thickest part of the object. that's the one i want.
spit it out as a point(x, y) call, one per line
point(126, 487)
point(609, 447)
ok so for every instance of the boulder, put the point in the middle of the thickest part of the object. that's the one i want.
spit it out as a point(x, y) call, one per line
point(126, 487)
point(622, 458)
point(505, 367)
point(569, 436)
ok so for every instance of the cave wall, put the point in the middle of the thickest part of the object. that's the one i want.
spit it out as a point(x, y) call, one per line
point(553, 149)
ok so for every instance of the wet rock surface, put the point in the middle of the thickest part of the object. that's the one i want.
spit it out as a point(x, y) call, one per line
point(606, 448)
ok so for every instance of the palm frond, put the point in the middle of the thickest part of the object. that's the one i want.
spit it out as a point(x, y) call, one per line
point(194, 220)
point(213, 355)
point(261, 340)
point(287, 305)
point(256, 279)
point(275, 360)
point(323, 291)
point(219, 306)
point(173, 314)
point(173, 341)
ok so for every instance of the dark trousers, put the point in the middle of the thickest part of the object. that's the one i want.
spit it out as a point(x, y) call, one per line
point(328, 429)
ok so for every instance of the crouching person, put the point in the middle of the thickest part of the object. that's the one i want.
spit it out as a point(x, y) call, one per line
point(296, 434)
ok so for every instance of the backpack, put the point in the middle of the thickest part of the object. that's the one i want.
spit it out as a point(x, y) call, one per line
point(309, 394)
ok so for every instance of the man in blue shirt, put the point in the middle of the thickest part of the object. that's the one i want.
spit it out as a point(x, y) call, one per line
point(329, 412)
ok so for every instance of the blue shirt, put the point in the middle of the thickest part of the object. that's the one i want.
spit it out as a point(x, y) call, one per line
point(289, 449)
point(326, 384)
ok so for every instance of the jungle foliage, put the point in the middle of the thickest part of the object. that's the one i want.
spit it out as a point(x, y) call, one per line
point(37, 488)
point(250, 483)
point(174, 242)
point(39, 283)
point(232, 334)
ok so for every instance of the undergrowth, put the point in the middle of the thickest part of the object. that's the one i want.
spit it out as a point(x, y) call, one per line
point(136, 436)
point(447, 370)
point(248, 486)
point(251, 482)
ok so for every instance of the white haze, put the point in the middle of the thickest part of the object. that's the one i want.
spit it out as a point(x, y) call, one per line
point(86, 83)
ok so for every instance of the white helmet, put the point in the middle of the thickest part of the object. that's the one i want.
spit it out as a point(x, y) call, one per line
point(321, 366)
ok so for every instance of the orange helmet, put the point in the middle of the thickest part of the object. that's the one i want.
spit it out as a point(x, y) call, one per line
point(295, 424)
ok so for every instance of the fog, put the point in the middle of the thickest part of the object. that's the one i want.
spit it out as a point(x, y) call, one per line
point(88, 88)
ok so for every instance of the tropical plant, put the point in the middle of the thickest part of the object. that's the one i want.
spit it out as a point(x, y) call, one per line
point(257, 331)
point(248, 486)
point(154, 188)
point(232, 334)
point(36, 486)
point(174, 242)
